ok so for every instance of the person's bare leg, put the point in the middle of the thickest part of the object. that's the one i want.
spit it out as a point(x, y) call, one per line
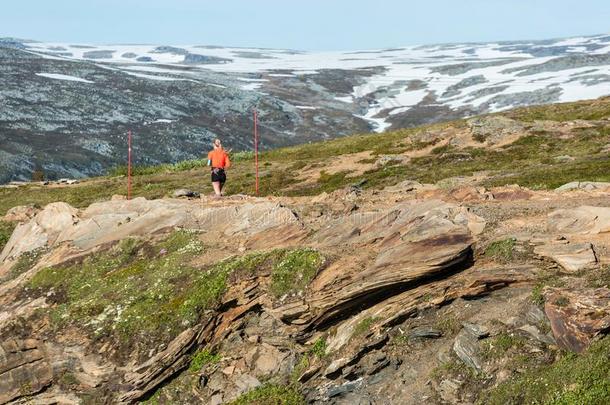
point(216, 185)
point(221, 187)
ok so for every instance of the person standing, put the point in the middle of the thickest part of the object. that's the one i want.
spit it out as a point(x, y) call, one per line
point(218, 160)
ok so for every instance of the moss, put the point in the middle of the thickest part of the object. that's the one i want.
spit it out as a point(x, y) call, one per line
point(439, 150)
point(501, 250)
point(497, 346)
point(111, 293)
point(271, 394)
point(448, 324)
point(294, 271)
point(364, 326)
point(201, 359)
point(573, 379)
point(329, 182)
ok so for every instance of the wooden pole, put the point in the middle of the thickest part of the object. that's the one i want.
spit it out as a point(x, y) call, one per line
point(256, 147)
point(129, 165)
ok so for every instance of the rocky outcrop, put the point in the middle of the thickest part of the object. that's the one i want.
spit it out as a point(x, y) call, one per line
point(572, 257)
point(583, 220)
point(583, 185)
point(115, 220)
point(410, 243)
point(577, 316)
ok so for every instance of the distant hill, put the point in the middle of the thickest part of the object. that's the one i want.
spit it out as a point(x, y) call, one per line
point(66, 107)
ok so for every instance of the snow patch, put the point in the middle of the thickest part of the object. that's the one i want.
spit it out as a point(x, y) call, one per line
point(58, 76)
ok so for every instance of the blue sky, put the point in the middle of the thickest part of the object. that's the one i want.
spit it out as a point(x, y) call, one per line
point(305, 24)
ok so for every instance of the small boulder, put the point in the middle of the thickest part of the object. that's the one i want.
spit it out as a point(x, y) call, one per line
point(583, 185)
point(425, 332)
point(466, 347)
point(185, 193)
point(21, 213)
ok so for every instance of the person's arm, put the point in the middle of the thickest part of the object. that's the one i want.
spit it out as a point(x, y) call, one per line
point(209, 158)
point(227, 161)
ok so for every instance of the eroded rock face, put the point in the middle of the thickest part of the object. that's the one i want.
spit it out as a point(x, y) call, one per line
point(24, 369)
point(410, 242)
point(577, 316)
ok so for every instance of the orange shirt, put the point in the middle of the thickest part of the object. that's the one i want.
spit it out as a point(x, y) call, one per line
point(219, 158)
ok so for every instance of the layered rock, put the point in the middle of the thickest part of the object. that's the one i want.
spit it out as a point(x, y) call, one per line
point(577, 316)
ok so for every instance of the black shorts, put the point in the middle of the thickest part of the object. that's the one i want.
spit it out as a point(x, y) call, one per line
point(219, 175)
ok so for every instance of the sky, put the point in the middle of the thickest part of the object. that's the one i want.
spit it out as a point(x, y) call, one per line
point(304, 25)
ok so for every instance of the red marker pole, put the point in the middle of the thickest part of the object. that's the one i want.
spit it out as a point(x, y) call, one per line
point(256, 147)
point(129, 165)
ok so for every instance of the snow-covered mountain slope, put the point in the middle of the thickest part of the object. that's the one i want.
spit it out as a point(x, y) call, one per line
point(82, 98)
point(483, 77)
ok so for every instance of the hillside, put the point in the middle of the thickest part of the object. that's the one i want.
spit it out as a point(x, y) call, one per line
point(67, 107)
point(442, 263)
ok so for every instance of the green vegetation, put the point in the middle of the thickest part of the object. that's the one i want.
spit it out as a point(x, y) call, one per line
point(574, 379)
point(294, 271)
point(319, 348)
point(598, 278)
point(501, 250)
point(111, 293)
point(531, 161)
point(271, 394)
point(364, 326)
point(317, 351)
point(497, 346)
point(448, 324)
point(537, 297)
point(25, 262)
point(454, 367)
point(202, 358)
point(581, 110)
point(6, 230)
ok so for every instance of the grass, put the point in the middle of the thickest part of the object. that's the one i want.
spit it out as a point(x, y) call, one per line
point(501, 250)
point(530, 161)
point(25, 262)
point(294, 271)
point(202, 358)
point(582, 110)
point(537, 296)
point(319, 348)
point(271, 394)
point(6, 230)
point(573, 379)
